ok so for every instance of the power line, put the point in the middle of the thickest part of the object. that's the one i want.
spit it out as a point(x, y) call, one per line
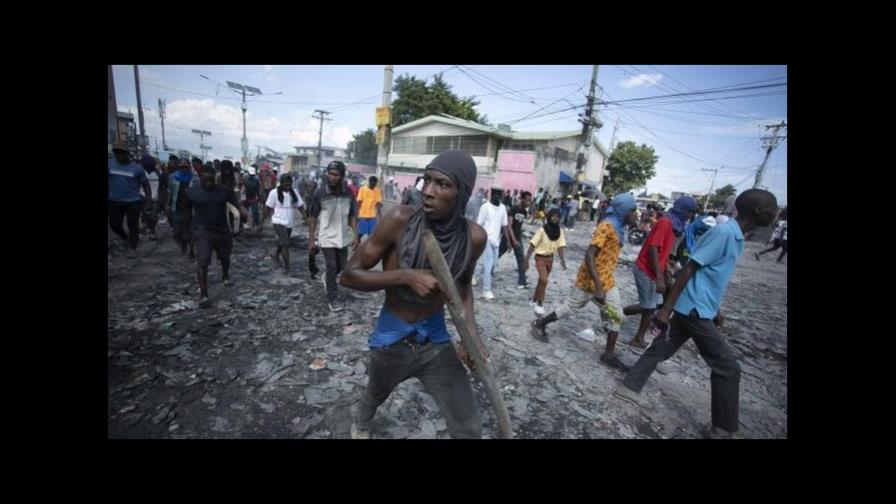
point(692, 89)
point(492, 90)
point(693, 93)
point(671, 89)
point(546, 106)
point(500, 84)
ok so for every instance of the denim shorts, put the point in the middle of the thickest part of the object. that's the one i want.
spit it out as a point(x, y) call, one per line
point(648, 297)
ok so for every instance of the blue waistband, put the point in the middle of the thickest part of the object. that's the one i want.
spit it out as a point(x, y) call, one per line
point(391, 329)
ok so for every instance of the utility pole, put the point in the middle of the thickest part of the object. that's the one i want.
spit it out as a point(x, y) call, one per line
point(711, 185)
point(770, 143)
point(383, 123)
point(202, 134)
point(320, 133)
point(612, 144)
point(141, 139)
point(588, 122)
point(113, 110)
point(162, 117)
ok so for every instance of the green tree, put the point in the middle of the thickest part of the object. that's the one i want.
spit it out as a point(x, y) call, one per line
point(416, 100)
point(363, 148)
point(629, 166)
point(717, 200)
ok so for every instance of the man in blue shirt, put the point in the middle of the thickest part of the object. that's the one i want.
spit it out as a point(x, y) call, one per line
point(695, 298)
point(125, 181)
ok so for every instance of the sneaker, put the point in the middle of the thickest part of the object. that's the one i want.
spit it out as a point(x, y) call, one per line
point(334, 306)
point(629, 395)
point(205, 302)
point(539, 332)
point(713, 432)
point(539, 310)
point(358, 433)
point(613, 361)
point(227, 282)
point(523, 286)
point(532, 304)
point(488, 295)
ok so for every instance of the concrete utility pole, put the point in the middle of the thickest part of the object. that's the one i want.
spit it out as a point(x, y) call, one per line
point(113, 110)
point(382, 155)
point(241, 89)
point(162, 117)
point(770, 143)
point(588, 122)
point(612, 144)
point(141, 138)
point(711, 184)
point(202, 134)
point(320, 133)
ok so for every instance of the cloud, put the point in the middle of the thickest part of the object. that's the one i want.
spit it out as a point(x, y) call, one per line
point(271, 74)
point(641, 80)
point(225, 122)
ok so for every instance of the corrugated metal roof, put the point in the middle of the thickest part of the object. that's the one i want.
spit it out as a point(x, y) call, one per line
point(444, 118)
point(542, 135)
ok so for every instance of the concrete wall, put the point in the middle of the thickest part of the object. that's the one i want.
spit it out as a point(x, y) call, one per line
point(516, 170)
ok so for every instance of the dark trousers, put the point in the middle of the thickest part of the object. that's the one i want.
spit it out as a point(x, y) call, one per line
point(593, 211)
point(253, 207)
point(117, 213)
point(778, 243)
point(336, 259)
point(520, 260)
point(440, 372)
point(725, 376)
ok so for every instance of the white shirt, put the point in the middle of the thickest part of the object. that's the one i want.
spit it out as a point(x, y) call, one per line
point(781, 231)
point(492, 218)
point(284, 213)
point(153, 179)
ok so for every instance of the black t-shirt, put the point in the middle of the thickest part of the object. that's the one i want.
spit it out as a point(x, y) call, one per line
point(251, 184)
point(517, 216)
point(210, 207)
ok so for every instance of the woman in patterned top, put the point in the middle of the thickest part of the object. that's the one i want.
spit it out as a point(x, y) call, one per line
point(596, 280)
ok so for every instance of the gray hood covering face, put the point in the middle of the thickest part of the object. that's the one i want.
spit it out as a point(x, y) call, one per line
point(451, 232)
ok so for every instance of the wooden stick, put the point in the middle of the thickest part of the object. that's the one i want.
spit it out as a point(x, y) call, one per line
point(467, 333)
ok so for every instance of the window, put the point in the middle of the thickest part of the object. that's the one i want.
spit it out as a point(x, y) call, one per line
point(474, 145)
point(410, 145)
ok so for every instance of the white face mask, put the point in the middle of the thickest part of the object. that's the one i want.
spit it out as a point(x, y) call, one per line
point(420, 185)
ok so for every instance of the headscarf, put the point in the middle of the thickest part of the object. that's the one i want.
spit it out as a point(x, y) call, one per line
point(451, 232)
point(618, 209)
point(184, 176)
point(682, 205)
point(696, 229)
point(292, 191)
point(552, 230)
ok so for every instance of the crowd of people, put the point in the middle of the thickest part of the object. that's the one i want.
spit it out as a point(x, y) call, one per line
point(681, 272)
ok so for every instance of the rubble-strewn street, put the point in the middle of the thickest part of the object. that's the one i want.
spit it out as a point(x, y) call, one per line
point(269, 360)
